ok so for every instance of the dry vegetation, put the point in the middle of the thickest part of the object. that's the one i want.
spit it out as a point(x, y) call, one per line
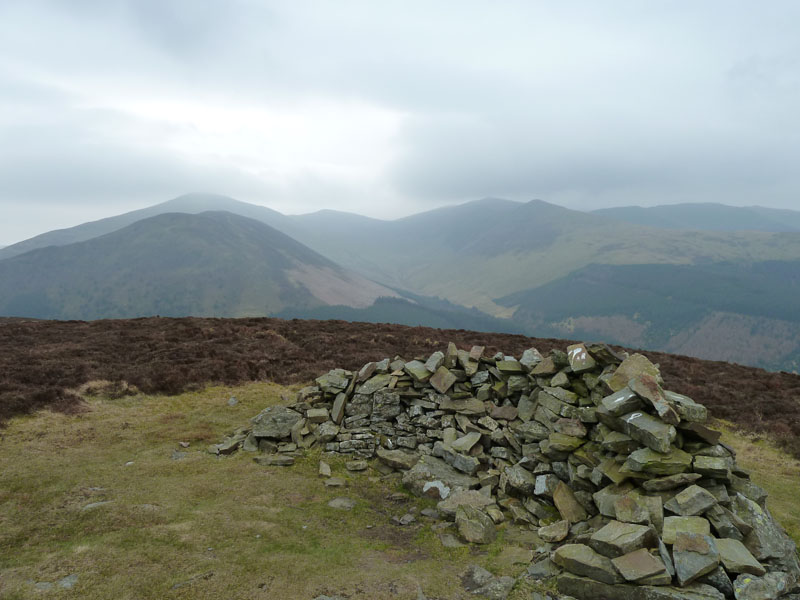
point(42, 361)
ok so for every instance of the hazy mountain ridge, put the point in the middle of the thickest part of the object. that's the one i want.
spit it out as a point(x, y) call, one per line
point(542, 268)
point(214, 263)
point(707, 216)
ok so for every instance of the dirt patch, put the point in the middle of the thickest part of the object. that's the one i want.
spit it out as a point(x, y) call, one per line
point(41, 361)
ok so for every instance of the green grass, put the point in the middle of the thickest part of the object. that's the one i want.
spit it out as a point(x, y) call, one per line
point(208, 527)
point(773, 470)
point(202, 527)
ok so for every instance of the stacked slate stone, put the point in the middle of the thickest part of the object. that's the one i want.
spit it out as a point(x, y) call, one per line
point(632, 495)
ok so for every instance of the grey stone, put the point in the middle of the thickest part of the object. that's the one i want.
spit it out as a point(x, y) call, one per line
point(474, 525)
point(646, 386)
point(418, 371)
point(631, 509)
point(545, 485)
point(442, 380)
point(333, 382)
point(474, 498)
point(670, 482)
point(693, 555)
point(622, 443)
point(435, 361)
point(356, 465)
point(397, 459)
point(555, 532)
point(736, 558)
point(275, 422)
point(530, 358)
point(617, 538)
point(497, 589)
point(579, 359)
point(606, 498)
point(712, 466)
point(768, 587)
point(543, 569)
point(372, 385)
point(718, 579)
point(475, 577)
point(588, 589)
point(342, 503)
point(567, 505)
point(649, 430)
point(621, 403)
point(688, 409)
point(676, 525)
point(465, 443)
point(651, 462)
point(327, 432)
point(338, 410)
point(765, 540)
point(274, 460)
point(521, 480)
point(580, 559)
point(638, 565)
point(430, 468)
point(634, 365)
point(691, 502)
point(532, 431)
point(385, 405)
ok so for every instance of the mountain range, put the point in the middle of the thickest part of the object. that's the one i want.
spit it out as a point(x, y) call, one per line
point(707, 280)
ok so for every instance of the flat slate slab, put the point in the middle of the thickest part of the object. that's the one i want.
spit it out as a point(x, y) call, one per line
point(617, 538)
point(638, 564)
point(693, 555)
point(588, 589)
point(580, 559)
point(736, 558)
point(675, 525)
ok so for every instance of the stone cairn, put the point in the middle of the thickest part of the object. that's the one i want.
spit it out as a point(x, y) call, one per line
point(631, 494)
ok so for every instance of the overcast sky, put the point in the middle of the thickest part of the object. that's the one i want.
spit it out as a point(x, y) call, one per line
point(388, 108)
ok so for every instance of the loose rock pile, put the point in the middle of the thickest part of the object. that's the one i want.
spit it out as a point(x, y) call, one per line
point(632, 495)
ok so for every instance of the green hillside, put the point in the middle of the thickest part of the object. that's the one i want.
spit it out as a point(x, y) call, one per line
point(177, 264)
point(723, 310)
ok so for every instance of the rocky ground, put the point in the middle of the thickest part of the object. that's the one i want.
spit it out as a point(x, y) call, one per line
point(41, 362)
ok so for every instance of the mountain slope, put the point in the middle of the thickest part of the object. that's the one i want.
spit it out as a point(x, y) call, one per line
point(194, 203)
point(174, 264)
point(707, 217)
point(479, 251)
point(745, 313)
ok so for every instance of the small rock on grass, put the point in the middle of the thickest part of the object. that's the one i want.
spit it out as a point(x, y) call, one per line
point(335, 482)
point(274, 461)
point(342, 503)
point(356, 465)
point(324, 469)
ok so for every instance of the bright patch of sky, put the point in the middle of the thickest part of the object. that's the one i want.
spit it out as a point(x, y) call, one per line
point(390, 108)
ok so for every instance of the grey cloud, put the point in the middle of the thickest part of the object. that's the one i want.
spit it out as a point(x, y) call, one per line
point(577, 102)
